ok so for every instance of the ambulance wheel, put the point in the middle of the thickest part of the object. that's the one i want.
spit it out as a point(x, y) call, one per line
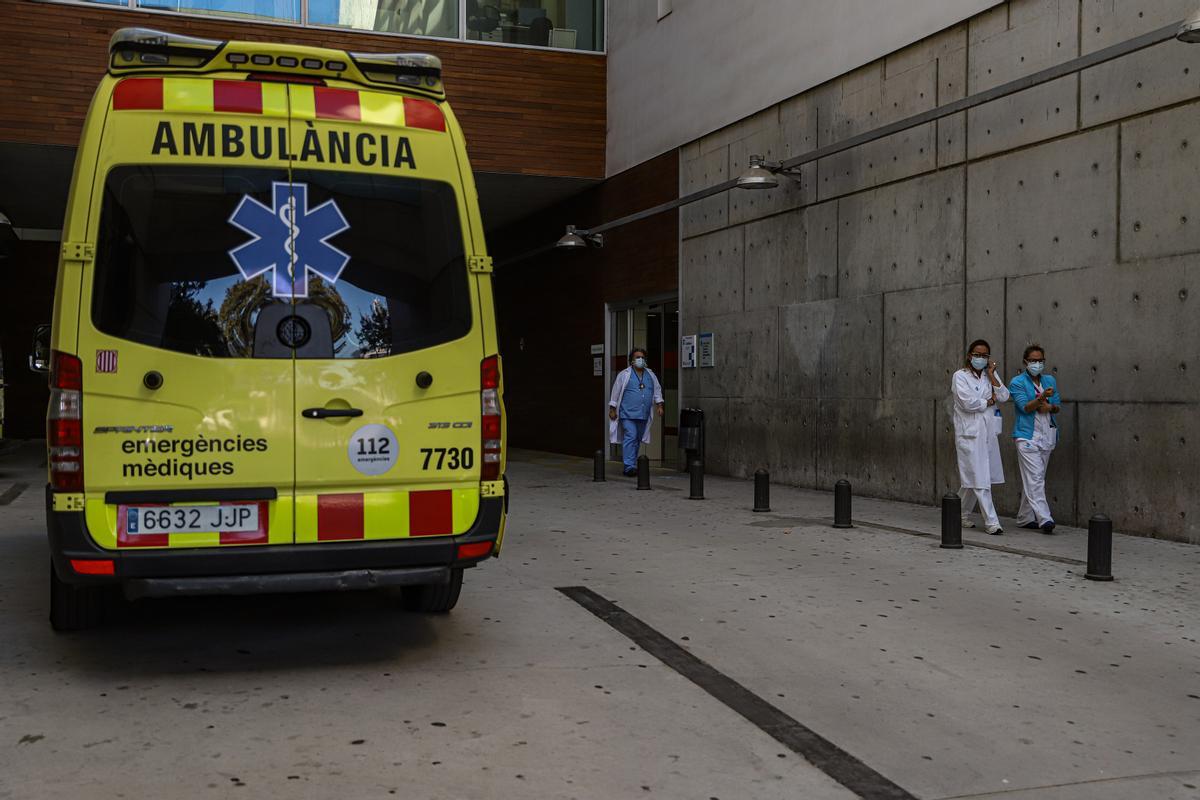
point(75, 608)
point(434, 598)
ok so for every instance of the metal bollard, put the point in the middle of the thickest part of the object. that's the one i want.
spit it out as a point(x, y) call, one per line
point(643, 473)
point(762, 490)
point(1099, 562)
point(841, 505)
point(952, 522)
point(598, 466)
point(696, 468)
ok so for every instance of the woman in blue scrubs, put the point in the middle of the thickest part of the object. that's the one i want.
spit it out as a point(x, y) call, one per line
point(636, 391)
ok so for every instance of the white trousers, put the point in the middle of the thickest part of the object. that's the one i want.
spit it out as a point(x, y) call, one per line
point(1033, 461)
point(984, 497)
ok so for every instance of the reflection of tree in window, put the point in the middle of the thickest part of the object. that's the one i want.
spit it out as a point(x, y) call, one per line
point(239, 310)
point(374, 331)
point(191, 325)
point(325, 295)
point(243, 301)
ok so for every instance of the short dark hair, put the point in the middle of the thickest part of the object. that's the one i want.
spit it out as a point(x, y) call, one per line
point(641, 350)
point(1031, 348)
point(975, 344)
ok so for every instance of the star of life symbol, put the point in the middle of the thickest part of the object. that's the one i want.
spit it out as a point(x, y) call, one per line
point(290, 240)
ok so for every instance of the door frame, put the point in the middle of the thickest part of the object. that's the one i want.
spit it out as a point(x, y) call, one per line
point(611, 308)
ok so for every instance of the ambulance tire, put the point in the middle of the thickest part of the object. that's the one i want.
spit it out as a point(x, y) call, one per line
point(434, 598)
point(75, 608)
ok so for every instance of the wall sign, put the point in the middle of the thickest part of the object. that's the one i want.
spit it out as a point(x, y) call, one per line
point(687, 352)
point(597, 366)
point(707, 355)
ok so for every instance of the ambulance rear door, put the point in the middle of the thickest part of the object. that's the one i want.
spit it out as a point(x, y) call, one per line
point(388, 379)
point(189, 414)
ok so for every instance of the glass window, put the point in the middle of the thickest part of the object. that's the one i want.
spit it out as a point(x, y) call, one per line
point(566, 24)
point(195, 260)
point(562, 24)
point(404, 287)
point(288, 10)
point(412, 17)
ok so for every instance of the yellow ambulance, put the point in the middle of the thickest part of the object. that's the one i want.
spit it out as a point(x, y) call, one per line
point(274, 364)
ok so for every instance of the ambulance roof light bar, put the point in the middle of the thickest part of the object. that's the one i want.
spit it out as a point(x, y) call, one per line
point(418, 70)
point(137, 47)
point(132, 49)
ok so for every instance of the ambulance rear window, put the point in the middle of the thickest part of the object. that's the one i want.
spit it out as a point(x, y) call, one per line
point(254, 263)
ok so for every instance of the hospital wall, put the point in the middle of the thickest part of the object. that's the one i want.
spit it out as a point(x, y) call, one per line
point(1067, 214)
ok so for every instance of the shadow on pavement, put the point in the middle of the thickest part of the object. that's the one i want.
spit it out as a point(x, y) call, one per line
point(247, 634)
point(198, 634)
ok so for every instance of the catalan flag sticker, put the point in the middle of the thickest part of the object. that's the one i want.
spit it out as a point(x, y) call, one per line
point(106, 361)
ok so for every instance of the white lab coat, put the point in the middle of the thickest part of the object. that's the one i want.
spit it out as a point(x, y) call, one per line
point(614, 425)
point(977, 429)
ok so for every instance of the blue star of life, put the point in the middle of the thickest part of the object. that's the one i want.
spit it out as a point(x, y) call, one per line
point(290, 240)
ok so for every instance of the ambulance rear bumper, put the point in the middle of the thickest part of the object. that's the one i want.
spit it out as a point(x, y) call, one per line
point(343, 580)
point(269, 568)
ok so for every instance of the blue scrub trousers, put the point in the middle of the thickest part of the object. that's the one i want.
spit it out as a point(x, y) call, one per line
point(632, 431)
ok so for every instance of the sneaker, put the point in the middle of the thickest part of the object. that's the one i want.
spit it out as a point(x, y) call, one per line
point(1033, 526)
point(966, 522)
point(1048, 526)
point(630, 473)
point(995, 530)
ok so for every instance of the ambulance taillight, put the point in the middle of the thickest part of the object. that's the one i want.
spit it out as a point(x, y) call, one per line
point(64, 423)
point(491, 425)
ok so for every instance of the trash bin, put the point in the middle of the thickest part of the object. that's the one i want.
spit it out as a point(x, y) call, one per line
point(691, 434)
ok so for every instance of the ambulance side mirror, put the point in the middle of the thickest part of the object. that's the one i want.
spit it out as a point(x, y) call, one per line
point(39, 356)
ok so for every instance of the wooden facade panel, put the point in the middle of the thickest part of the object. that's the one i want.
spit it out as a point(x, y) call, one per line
point(527, 111)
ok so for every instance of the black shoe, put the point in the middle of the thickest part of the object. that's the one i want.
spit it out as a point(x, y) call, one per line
point(1048, 526)
point(1033, 526)
point(630, 473)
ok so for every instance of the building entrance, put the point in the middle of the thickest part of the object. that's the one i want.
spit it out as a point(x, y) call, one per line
point(654, 325)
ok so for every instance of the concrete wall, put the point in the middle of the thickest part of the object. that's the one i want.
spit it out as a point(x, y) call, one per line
point(707, 63)
point(1068, 214)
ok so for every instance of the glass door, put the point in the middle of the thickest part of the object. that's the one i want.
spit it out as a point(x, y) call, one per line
point(655, 327)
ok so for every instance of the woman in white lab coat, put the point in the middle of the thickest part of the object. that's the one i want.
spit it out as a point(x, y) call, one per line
point(977, 395)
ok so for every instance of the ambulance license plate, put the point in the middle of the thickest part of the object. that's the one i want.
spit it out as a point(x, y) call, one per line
point(239, 518)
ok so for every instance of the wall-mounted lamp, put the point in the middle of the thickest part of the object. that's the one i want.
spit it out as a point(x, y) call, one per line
point(8, 236)
point(1189, 31)
point(575, 239)
point(763, 174)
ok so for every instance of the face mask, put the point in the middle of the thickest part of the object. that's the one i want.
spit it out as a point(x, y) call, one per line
point(1035, 367)
point(979, 362)
point(639, 362)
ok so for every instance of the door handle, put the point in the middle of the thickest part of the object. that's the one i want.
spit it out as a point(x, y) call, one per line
point(322, 413)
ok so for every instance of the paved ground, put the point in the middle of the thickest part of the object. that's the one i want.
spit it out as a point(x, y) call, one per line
point(976, 673)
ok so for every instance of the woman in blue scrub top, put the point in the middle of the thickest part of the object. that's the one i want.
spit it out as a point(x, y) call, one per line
point(635, 392)
point(1036, 433)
